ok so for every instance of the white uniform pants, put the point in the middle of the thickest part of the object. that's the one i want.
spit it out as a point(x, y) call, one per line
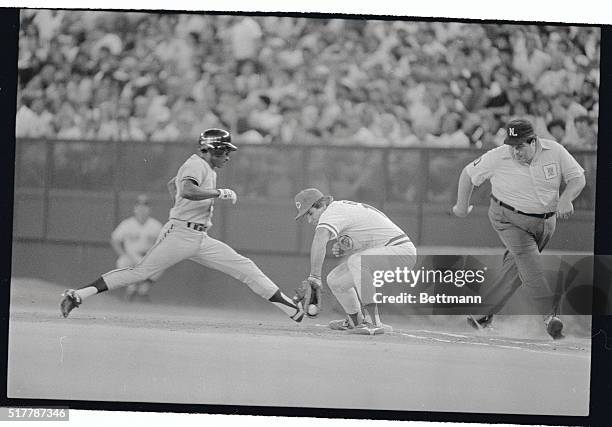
point(176, 243)
point(143, 287)
point(345, 280)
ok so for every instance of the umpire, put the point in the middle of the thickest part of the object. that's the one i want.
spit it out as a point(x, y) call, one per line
point(525, 174)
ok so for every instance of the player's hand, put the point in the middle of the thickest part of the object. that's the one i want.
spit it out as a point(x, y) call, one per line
point(337, 250)
point(314, 281)
point(227, 194)
point(342, 245)
point(309, 293)
point(564, 208)
point(462, 212)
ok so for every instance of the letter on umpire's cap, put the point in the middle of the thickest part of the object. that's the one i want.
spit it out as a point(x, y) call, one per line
point(518, 131)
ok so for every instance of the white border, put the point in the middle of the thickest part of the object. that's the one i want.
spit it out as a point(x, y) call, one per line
point(586, 11)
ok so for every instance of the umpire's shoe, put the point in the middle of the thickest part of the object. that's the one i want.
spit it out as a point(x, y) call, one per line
point(554, 327)
point(69, 301)
point(483, 322)
point(299, 313)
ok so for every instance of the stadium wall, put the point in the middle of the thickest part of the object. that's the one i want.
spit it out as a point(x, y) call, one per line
point(71, 247)
point(259, 225)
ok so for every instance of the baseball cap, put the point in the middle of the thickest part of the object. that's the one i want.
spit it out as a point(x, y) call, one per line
point(305, 199)
point(518, 131)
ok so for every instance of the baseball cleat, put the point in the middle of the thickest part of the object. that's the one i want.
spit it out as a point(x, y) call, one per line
point(386, 328)
point(340, 325)
point(299, 313)
point(70, 301)
point(368, 319)
point(479, 324)
point(366, 329)
point(554, 327)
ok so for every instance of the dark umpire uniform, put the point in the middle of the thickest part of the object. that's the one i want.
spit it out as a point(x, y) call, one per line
point(525, 174)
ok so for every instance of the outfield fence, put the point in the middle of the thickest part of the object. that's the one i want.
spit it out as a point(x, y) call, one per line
point(78, 191)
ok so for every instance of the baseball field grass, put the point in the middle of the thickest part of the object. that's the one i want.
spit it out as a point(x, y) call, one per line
point(112, 350)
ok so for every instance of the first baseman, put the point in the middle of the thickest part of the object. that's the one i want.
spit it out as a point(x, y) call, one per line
point(525, 173)
point(359, 230)
point(185, 236)
point(131, 240)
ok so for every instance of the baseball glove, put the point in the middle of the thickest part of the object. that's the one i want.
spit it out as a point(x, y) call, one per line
point(342, 246)
point(309, 292)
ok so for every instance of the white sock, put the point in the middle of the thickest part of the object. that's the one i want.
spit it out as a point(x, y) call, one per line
point(86, 292)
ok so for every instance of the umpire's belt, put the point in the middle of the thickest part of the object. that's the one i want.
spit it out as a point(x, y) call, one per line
point(398, 240)
point(507, 206)
point(196, 226)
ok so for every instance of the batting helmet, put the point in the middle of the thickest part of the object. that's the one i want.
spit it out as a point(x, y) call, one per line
point(217, 140)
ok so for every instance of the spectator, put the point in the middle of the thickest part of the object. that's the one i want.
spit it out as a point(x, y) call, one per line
point(333, 68)
point(24, 118)
point(365, 135)
point(477, 96)
point(48, 23)
point(452, 135)
point(68, 128)
point(555, 79)
point(587, 137)
point(541, 115)
point(249, 78)
point(565, 108)
point(38, 123)
point(165, 129)
point(557, 129)
point(497, 97)
point(588, 95)
point(529, 58)
point(263, 117)
point(245, 38)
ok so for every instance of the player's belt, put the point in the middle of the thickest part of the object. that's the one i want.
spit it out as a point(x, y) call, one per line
point(507, 206)
point(196, 226)
point(398, 240)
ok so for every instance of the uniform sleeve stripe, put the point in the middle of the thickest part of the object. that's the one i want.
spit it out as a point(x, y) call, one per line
point(190, 178)
point(573, 174)
point(330, 227)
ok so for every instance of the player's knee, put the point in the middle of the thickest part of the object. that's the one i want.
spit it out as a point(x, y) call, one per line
point(331, 281)
point(337, 283)
point(354, 261)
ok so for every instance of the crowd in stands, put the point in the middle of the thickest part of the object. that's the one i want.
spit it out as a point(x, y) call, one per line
point(284, 80)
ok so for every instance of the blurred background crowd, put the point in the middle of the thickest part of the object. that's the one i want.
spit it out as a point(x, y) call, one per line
point(283, 80)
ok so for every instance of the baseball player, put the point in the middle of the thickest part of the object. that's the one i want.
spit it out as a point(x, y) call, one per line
point(358, 230)
point(132, 238)
point(184, 235)
point(525, 174)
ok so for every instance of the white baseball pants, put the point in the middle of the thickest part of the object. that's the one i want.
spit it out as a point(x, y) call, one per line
point(345, 280)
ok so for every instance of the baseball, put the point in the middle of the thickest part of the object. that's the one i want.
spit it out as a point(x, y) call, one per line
point(313, 310)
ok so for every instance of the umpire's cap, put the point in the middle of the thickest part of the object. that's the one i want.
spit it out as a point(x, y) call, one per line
point(216, 139)
point(305, 199)
point(518, 131)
